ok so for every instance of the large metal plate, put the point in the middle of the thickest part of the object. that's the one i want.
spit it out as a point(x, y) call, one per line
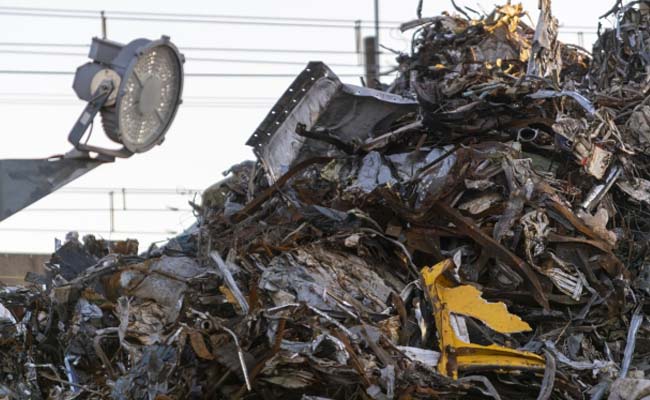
point(23, 182)
point(318, 99)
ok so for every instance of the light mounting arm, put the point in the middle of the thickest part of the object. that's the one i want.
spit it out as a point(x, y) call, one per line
point(101, 96)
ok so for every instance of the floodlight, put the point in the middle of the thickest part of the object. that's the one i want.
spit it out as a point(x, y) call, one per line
point(135, 87)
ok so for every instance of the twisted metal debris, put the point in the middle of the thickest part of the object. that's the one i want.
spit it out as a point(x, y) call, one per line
point(477, 229)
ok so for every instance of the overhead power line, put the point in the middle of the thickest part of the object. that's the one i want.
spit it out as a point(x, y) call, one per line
point(34, 72)
point(194, 97)
point(591, 31)
point(189, 15)
point(276, 62)
point(191, 20)
point(202, 48)
point(54, 99)
point(130, 190)
point(145, 16)
point(234, 106)
point(193, 75)
point(220, 18)
point(225, 22)
point(102, 210)
point(44, 53)
point(194, 59)
point(93, 231)
point(43, 44)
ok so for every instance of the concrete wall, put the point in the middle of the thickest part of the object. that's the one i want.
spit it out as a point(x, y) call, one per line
point(14, 266)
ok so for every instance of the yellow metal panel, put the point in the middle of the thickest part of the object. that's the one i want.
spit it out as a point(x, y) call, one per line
point(447, 298)
point(467, 300)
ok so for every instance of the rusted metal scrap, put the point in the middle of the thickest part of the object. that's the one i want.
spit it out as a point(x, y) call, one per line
point(516, 165)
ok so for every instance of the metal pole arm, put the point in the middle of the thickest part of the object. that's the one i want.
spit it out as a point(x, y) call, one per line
point(85, 119)
point(23, 182)
point(88, 114)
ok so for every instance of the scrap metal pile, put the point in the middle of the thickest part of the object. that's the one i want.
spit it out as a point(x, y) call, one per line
point(476, 229)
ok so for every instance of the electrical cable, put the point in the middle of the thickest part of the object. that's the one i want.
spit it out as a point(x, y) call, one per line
point(194, 75)
point(194, 21)
point(187, 15)
point(199, 48)
point(197, 59)
point(94, 231)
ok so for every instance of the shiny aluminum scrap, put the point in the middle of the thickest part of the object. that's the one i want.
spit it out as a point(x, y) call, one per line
point(477, 228)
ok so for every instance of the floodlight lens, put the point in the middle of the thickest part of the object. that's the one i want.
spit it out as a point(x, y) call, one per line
point(150, 97)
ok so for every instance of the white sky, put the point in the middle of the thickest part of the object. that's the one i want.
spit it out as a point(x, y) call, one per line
point(203, 141)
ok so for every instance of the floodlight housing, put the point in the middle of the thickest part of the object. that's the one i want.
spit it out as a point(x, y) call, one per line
point(136, 88)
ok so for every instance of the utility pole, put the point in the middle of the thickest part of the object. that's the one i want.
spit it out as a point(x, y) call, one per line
point(581, 39)
point(377, 39)
point(358, 42)
point(371, 54)
point(111, 210)
point(103, 16)
point(370, 61)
